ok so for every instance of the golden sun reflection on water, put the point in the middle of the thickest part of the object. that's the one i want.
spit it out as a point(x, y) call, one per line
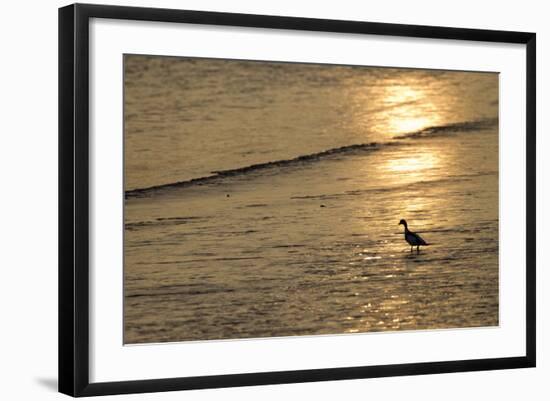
point(413, 110)
point(414, 106)
point(414, 165)
point(399, 105)
point(410, 106)
point(403, 125)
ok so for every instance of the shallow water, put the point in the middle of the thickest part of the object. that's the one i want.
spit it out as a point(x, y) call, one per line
point(307, 245)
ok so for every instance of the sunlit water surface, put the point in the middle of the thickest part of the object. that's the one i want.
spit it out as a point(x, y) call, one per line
point(307, 245)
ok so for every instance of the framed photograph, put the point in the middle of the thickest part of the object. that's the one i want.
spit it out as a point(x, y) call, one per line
point(250, 199)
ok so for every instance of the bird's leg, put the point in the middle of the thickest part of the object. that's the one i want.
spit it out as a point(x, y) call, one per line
point(417, 248)
point(411, 248)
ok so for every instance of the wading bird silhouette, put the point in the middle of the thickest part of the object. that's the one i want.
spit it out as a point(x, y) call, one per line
point(412, 238)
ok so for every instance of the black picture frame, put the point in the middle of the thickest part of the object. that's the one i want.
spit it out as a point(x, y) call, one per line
point(74, 198)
